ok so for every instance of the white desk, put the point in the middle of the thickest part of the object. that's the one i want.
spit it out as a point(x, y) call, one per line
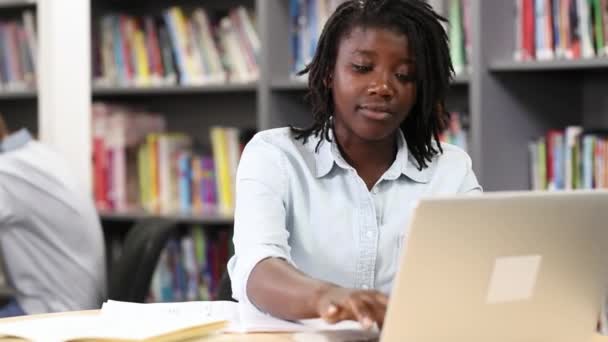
point(258, 337)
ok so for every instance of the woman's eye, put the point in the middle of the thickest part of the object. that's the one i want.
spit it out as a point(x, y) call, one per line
point(361, 68)
point(405, 77)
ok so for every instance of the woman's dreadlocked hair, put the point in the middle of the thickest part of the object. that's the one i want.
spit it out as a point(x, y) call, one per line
point(429, 44)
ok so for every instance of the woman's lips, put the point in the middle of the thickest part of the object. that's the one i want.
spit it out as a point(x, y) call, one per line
point(375, 112)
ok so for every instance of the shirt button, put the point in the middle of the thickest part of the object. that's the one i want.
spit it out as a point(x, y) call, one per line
point(370, 234)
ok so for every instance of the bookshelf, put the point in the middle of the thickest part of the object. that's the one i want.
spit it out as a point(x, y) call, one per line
point(275, 99)
point(508, 102)
point(520, 101)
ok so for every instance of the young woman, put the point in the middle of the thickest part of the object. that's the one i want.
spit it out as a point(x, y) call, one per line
point(321, 213)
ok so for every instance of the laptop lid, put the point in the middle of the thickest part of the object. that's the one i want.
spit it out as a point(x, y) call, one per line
point(528, 266)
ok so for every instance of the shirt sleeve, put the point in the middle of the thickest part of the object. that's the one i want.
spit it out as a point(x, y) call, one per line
point(260, 213)
point(469, 183)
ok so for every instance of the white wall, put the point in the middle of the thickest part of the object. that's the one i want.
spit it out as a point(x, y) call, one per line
point(64, 89)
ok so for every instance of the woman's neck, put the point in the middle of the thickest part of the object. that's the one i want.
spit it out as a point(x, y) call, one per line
point(370, 158)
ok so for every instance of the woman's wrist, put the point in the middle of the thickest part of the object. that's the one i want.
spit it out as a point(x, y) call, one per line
point(320, 292)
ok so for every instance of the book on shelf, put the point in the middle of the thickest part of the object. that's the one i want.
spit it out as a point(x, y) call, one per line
point(573, 158)
point(560, 29)
point(139, 166)
point(191, 266)
point(190, 48)
point(307, 18)
point(459, 33)
point(18, 53)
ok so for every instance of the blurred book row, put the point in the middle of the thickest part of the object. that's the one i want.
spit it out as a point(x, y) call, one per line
point(459, 30)
point(18, 53)
point(139, 166)
point(457, 130)
point(190, 266)
point(178, 47)
point(572, 158)
point(566, 29)
point(307, 18)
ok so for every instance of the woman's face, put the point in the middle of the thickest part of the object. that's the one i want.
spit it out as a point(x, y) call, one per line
point(373, 83)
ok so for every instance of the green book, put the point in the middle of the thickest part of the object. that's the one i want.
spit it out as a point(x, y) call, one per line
point(455, 32)
point(598, 26)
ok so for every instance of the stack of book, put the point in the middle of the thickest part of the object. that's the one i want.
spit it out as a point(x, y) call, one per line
point(139, 166)
point(178, 47)
point(569, 159)
point(561, 29)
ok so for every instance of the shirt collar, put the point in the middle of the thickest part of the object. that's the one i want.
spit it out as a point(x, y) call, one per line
point(15, 140)
point(404, 164)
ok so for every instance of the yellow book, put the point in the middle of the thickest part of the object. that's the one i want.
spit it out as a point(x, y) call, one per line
point(154, 198)
point(181, 26)
point(222, 169)
point(143, 67)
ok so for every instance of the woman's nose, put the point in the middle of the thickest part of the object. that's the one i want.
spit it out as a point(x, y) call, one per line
point(381, 86)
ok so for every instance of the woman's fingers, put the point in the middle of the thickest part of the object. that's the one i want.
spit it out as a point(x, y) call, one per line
point(332, 314)
point(362, 311)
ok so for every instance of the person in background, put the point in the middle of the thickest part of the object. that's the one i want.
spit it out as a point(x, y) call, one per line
point(51, 242)
point(322, 212)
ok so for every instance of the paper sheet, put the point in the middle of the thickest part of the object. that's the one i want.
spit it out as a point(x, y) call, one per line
point(111, 326)
point(242, 318)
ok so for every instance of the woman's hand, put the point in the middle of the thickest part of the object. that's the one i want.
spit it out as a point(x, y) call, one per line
point(336, 304)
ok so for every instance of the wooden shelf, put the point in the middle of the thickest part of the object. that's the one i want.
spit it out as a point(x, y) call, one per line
point(556, 65)
point(18, 94)
point(211, 218)
point(173, 90)
point(16, 3)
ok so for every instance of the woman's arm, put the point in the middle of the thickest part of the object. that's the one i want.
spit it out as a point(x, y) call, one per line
point(283, 291)
point(280, 289)
point(261, 270)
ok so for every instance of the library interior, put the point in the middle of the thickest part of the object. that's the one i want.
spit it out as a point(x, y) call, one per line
point(128, 213)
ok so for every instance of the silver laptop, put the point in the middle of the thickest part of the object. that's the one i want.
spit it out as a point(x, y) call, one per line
point(502, 267)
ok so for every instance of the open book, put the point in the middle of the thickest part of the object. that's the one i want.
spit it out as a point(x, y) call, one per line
point(160, 322)
point(99, 327)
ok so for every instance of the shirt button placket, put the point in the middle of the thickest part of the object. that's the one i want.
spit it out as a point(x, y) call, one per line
point(367, 235)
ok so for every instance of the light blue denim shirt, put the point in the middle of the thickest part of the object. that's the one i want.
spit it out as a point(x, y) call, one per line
point(313, 210)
